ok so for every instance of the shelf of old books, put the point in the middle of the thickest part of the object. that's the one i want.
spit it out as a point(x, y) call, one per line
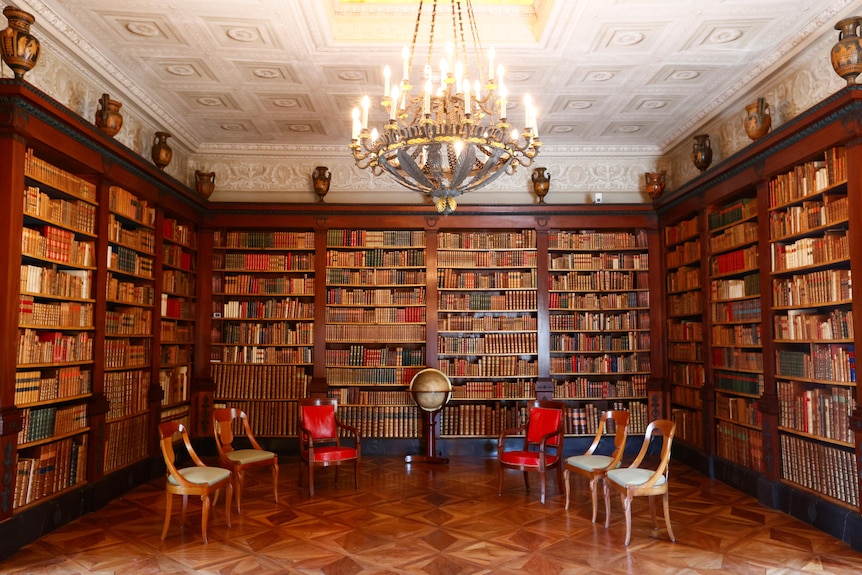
point(736, 348)
point(812, 324)
point(599, 324)
point(128, 327)
point(487, 327)
point(375, 326)
point(263, 324)
point(178, 308)
point(53, 380)
point(685, 337)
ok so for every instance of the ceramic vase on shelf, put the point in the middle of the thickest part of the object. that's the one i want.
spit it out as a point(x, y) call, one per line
point(320, 179)
point(846, 54)
point(108, 117)
point(161, 152)
point(701, 152)
point(655, 183)
point(757, 119)
point(205, 183)
point(541, 183)
point(19, 48)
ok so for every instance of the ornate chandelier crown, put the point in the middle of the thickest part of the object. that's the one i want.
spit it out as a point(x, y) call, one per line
point(453, 139)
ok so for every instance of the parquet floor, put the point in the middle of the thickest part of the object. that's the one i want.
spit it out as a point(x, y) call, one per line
point(435, 520)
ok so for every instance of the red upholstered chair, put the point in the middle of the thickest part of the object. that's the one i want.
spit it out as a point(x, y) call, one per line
point(241, 460)
point(593, 466)
point(198, 480)
point(543, 444)
point(320, 441)
point(635, 481)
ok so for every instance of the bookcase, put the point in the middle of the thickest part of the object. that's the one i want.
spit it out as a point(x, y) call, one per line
point(599, 323)
point(685, 336)
point(812, 321)
point(487, 327)
point(376, 289)
point(56, 330)
point(128, 347)
point(178, 289)
point(262, 340)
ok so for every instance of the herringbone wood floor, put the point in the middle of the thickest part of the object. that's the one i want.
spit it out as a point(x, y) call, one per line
point(432, 519)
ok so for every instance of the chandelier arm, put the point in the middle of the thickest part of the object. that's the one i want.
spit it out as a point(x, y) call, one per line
point(464, 166)
point(482, 180)
point(396, 174)
point(409, 166)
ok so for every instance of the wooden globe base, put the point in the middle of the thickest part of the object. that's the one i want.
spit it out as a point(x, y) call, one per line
point(430, 418)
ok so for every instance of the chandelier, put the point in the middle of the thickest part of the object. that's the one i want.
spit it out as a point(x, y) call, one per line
point(453, 138)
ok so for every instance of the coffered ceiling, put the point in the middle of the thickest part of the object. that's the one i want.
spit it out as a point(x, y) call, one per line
point(610, 74)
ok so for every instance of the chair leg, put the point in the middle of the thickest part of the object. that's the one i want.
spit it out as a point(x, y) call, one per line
point(205, 512)
point(356, 474)
point(666, 504)
point(275, 480)
point(595, 495)
point(168, 506)
point(240, 482)
point(183, 514)
point(607, 502)
point(229, 490)
point(500, 474)
point(627, 505)
point(652, 512)
point(527, 480)
point(544, 482)
point(566, 475)
point(310, 479)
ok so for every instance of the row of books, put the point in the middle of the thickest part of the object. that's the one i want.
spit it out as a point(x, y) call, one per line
point(245, 333)
point(683, 279)
point(38, 423)
point(60, 314)
point(735, 358)
point(176, 332)
point(125, 353)
point(832, 247)
point(631, 341)
point(600, 321)
point(127, 392)
point(734, 288)
point(245, 284)
point(284, 308)
point(684, 254)
point(57, 178)
point(822, 411)
point(480, 301)
point(739, 409)
point(136, 238)
point(249, 354)
point(177, 308)
point(375, 258)
point(175, 354)
point(485, 323)
point(174, 382)
point(374, 277)
point(453, 279)
point(178, 232)
point(821, 287)
point(128, 261)
point(260, 381)
point(741, 335)
point(128, 321)
point(739, 444)
point(738, 235)
point(518, 389)
point(486, 259)
point(127, 441)
point(688, 374)
point(605, 363)
point(75, 215)
point(824, 362)
point(367, 333)
point(127, 204)
point(52, 383)
point(598, 301)
point(50, 281)
point(689, 426)
point(371, 375)
point(685, 351)
point(375, 296)
point(178, 257)
point(822, 468)
point(735, 261)
point(587, 388)
point(689, 397)
point(809, 178)
point(360, 355)
point(56, 244)
point(382, 420)
point(688, 303)
point(53, 347)
point(681, 231)
point(359, 396)
point(516, 342)
point(737, 311)
point(374, 238)
point(593, 240)
point(487, 240)
point(813, 325)
point(731, 213)
point(120, 290)
point(685, 330)
point(834, 209)
point(599, 280)
point(299, 262)
point(602, 261)
point(263, 239)
point(178, 283)
point(267, 418)
point(48, 469)
point(489, 366)
point(749, 383)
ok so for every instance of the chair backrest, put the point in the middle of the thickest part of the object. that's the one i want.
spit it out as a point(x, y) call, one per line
point(317, 415)
point(168, 430)
point(666, 429)
point(620, 419)
point(223, 418)
point(545, 417)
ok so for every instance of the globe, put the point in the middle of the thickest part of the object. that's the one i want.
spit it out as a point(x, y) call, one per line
point(430, 389)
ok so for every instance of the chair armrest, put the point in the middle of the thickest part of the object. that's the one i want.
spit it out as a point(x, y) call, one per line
point(353, 431)
point(507, 432)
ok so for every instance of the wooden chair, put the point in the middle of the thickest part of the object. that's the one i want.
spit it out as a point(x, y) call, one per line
point(543, 444)
point(199, 480)
point(241, 460)
point(634, 481)
point(320, 441)
point(593, 466)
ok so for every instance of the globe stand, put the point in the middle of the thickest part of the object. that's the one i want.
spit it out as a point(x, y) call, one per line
point(431, 390)
point(430, 455)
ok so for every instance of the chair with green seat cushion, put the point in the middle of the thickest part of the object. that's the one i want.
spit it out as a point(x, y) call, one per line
point(594, 466)
point(241, 460)
point(199, 480)
point(636, 481)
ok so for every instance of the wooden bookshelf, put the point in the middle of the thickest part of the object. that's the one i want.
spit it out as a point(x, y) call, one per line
point(376, 285)
point(685, 332)
point(262, 338)
point(599, 325)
